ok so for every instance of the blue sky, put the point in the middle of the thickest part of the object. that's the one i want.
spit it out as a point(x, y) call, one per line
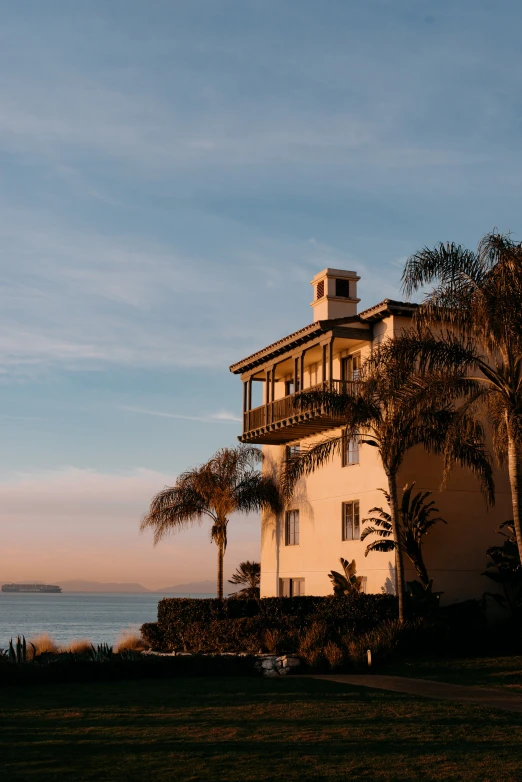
point(172, 176)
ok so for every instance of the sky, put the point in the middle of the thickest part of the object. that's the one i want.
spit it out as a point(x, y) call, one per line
point(172, 175)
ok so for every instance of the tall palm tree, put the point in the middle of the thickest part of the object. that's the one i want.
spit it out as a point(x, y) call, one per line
point(230, 482)
point(393, 410)
point(416, 519)
point(248, 575)
point(472, 320)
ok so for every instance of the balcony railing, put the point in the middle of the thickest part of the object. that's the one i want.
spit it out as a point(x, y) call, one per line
point(286, 410)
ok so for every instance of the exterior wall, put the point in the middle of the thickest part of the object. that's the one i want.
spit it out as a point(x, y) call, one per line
point(454, 552)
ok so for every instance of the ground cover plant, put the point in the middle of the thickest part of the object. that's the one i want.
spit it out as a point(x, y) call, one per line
point(250, 729)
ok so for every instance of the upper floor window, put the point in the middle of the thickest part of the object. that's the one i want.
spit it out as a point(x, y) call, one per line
point(342, 288)
point(351, 367)
point(293, 450)
point(292, 528)
point(290, 386)
point(350, 450)
point(351, 522)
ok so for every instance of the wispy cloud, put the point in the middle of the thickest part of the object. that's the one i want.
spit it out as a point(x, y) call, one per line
point(221, 417)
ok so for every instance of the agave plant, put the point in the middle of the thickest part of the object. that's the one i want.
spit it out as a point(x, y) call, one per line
point(348, 582)
point(101, 653)
point(416, 520)
point(17, 652)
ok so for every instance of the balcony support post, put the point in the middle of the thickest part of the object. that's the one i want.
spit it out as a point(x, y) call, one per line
point(301, 370)
point(330, 363)
point(245, 402)
point(273, 392)
point(267, 394)
point(249, 400)
point(296, 375)
point(323, 367)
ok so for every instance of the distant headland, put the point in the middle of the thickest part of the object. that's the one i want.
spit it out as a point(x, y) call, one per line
point(205, 587)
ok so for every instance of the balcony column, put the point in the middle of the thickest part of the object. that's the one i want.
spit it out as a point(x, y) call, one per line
point(296, 375)
point(267, 394)
point(330, 362)
point(245, 405)
point(301, 370)
point(272, 394)
point(323, 367)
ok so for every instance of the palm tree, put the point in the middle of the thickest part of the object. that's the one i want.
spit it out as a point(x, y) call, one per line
point(476, 308)
point(393, 410)
point(249, 575)
point(416, 519)
point(229, 482)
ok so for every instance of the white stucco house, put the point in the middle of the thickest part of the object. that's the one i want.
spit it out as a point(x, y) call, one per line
point(324, 520)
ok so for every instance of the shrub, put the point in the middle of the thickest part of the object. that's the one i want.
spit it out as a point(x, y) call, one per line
point(334, 655)
point(152, 636)
point(66, 668)
point(78, 646)
point(44, 644)
point(130, 641)
point(272, 623)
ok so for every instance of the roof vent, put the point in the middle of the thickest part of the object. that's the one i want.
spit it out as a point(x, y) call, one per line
point(319, 291)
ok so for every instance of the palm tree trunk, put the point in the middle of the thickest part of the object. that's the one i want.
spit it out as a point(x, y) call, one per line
point(399, 559)
point(221, 555)
point(515, 480)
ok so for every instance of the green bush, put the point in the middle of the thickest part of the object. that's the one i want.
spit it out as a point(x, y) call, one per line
point(268, 624)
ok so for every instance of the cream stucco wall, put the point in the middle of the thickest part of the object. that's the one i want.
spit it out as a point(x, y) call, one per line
point(454, 553)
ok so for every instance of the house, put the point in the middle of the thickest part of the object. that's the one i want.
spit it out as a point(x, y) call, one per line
point(324, 520)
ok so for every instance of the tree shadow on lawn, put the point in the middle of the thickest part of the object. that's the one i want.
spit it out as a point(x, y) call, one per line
point(251, 729)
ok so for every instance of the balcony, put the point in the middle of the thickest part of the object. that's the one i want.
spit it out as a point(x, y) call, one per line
point(281, 421)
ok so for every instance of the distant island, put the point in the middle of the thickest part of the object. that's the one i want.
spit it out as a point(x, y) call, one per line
point(205, 587)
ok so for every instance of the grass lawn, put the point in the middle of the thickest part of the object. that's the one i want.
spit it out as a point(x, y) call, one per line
point(249, 729)
point(503, 672)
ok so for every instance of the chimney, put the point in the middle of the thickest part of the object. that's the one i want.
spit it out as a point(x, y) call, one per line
point(335, 294)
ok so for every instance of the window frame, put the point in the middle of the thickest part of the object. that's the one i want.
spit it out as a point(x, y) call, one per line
point(347, 461)
point(292, 530)
point(355, 526)
point(288, 585)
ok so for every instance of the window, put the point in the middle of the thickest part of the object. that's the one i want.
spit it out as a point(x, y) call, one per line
point(293, 450)
point(342, 288)
point(356, 366)
point(319, 291)
point(292, 528)
point(312, 369)
point(291, 587)
point(350, 450)
point(351, 523)
point(351, 367)
point(289, 386)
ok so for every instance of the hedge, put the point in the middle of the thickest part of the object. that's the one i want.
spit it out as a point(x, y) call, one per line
point(252, 625)
point(65, 668)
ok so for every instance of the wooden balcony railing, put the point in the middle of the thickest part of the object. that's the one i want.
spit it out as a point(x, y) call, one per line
point(284, 408)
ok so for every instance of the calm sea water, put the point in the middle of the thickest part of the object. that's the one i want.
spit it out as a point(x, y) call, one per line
point(66, 616)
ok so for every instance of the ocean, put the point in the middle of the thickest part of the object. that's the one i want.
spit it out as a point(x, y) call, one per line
point(100, 617)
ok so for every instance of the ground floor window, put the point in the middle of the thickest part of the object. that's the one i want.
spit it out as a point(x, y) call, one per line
point(291, 587)
point(351, 522)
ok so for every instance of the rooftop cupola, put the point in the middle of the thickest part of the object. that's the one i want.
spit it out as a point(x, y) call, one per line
point(335, 294)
